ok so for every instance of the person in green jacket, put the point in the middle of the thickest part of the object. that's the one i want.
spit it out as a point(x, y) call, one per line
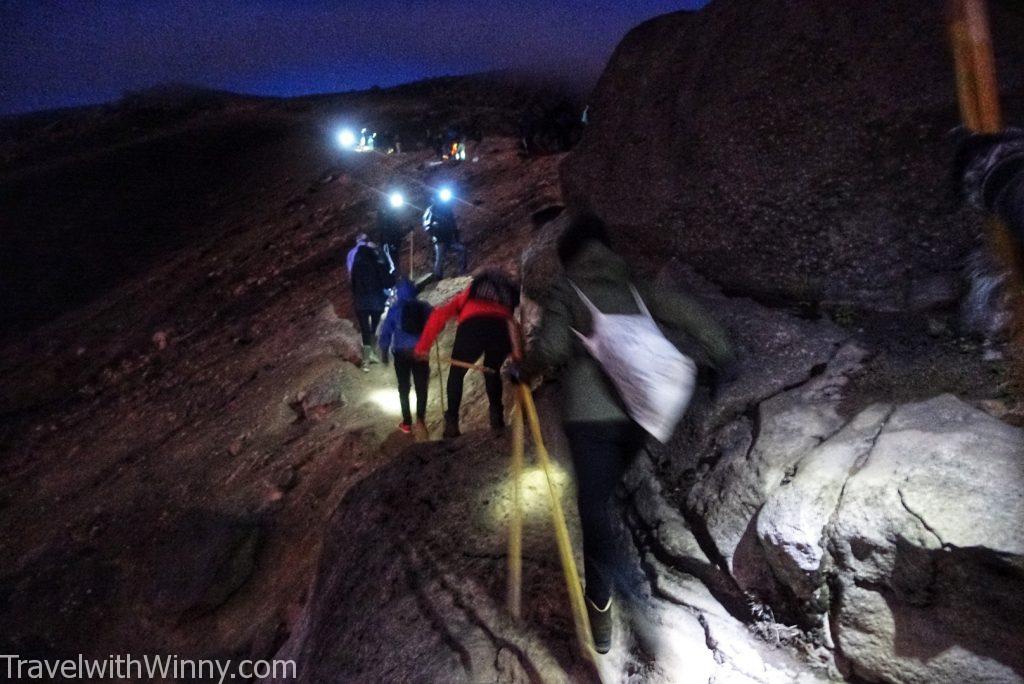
point(603, 439)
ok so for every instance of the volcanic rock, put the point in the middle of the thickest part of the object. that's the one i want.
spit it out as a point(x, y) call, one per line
point(789, 150)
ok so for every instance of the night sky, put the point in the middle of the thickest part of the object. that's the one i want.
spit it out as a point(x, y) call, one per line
point(56, 53)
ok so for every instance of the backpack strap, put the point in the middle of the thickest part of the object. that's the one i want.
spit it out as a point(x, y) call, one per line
point(595, 315)
point(594, 311)
point(640, 302)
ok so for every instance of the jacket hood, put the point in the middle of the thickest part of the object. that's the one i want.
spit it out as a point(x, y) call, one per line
point(595, 262)
point(405, 291)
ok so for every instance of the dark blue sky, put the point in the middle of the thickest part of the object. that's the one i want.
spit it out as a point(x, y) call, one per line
point(69, 52)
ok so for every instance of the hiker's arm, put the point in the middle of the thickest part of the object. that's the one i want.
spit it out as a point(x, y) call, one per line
point(439, 317)
point(681, 312)
point(551, 345)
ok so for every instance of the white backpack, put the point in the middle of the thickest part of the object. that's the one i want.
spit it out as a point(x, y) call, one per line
point(654, 379)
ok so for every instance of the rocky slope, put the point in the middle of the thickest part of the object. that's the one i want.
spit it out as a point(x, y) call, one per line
point(173, 448)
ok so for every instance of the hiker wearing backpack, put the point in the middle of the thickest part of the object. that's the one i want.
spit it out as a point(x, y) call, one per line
point(439, 222)
point(399, 334)
point(484, 310)
point(370, 284)
point(392, 228)
point(640, 386)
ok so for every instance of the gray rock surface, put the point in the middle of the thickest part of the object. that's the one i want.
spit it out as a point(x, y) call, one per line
point(929, 550)
point(783, 150)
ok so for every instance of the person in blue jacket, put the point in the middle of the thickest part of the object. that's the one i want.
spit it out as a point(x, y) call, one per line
point(398, 337)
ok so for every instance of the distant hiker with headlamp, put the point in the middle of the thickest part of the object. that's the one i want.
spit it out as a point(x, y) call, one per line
point(392, 228)
point(484, 310)
point(600, 327)
point(439, 222)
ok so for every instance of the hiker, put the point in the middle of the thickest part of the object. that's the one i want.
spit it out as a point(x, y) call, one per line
point(603, 438)
point(370, 283)
point(399, 334)
point(439, 222)
point(484, 310)
point(391, 229)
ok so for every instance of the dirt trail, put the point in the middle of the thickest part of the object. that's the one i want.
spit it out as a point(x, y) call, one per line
point(172, 450)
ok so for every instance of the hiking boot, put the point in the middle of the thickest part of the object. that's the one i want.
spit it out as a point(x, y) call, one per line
point(405, 427)
point(420, 432)
point(600, 625)
point(366, 358)
point(451, 428)
point(497, 419)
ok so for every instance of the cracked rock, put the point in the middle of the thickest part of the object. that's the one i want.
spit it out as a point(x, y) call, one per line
point(927, 541)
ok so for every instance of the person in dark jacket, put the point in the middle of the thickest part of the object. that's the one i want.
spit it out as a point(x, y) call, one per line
point(484, 310)
point(440, 223)
point(392, 227)
point(370, 284)
point(399, 334)
point(603, 439)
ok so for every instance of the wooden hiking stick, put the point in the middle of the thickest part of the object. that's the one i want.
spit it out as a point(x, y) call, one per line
point(978, 95)
point(525, 406)
point(515, 531)
point(412, 252)
point(572, 579)
point(472, 366)
point(440, 377)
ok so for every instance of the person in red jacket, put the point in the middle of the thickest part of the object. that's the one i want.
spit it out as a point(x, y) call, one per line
point(483, 310)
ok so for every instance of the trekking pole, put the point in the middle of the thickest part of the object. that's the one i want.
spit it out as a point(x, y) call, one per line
point(440, 378)
point(978, 95)
point(515, 532)
point(412, 241)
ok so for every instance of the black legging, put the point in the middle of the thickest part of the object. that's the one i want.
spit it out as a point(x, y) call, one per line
point(601, 453)
point(486, 336)
point(368, 321)
point(406, 365)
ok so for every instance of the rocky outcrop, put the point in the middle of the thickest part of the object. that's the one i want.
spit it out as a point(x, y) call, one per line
point(928, 550)
point(790, 150)
point(893, 537)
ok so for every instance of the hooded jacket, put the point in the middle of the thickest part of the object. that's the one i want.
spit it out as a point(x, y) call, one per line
point(392, 336)
point(589, 395)
point(370, 279)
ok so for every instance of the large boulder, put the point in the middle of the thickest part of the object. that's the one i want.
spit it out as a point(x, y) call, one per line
point(929, 550)
point(896, 536)
point(793, 150)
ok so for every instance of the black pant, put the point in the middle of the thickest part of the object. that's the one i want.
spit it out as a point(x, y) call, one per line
point(406, 365)
point(368, 321)
point(601, 453)
point(475, 337)
point(441, 250)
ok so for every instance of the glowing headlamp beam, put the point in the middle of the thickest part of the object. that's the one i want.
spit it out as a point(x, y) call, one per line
point(347, 138)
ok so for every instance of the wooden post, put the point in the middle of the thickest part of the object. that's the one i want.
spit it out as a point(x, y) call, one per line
point(412, 253)
point(440, 377)
point(978, 94)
